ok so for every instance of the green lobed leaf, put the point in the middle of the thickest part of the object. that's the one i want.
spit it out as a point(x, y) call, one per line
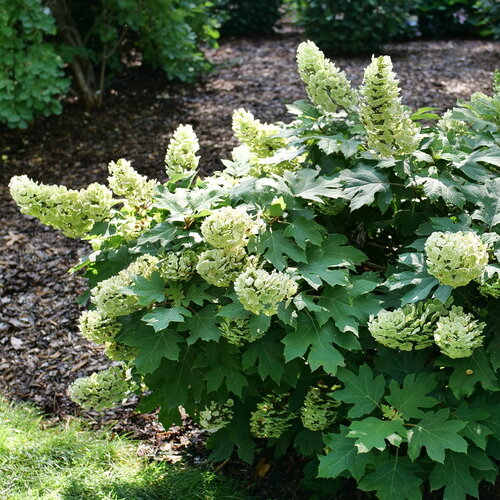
point(412, 396)
point(437, 433)
point(362, 183)
point(363, 390)
point(148, 291)
point(454, 474)
point(161, 317)
point(320, 338)
point(267, 355)
point(372, 433)
point(342, 455)
point(274, 245)
point(305, 231)
point(394, 478)
point(202, 325)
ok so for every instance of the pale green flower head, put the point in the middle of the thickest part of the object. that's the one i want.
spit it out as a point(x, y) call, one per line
point(410, 327)
point(261, 292)
point(490, 288)
point(216, 415)
point(237, 331)
point(126, 183)
point(101, 390)
point(389, 128)
point(132, 227)
point(73, 212)
point(450, 124)
point(496, 82)
point(111, 297)
point(181, 156)
point(319, 410)
point(230, 228)
point(98, 327)
point(120, 352)
point(327, 86)
point(455, 259)
point(178, 266)
point(458, 334)
point(220, 267)
point(272, 417)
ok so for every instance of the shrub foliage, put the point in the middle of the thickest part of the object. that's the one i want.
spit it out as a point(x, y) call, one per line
point(94, 39)
point(333, 291)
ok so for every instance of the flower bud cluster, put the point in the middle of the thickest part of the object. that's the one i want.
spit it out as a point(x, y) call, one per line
point(490, 287)
point(388, 125)
point(327, 86)
point(410, 327)
point(126, 183)
point(272, 417)
point(260, 138)
point(449, 124)
point(230, 228)
point(71, 211)
point(261, 292)
point(330, 206)
point(102, 389)
point(319, 410)
point(97, 327)
point(455, 259)
point(120, 352)
point(458, 334)
point(216, 415)
point(220, 267)
point(237, 331)
point(181, 152)
point(262, 141)
point(110, 297)
point(178, 266)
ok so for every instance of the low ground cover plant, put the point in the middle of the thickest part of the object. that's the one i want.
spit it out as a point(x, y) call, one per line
point(332, 293)
point(43, 461)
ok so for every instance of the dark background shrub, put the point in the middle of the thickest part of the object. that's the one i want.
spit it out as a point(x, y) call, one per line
point(246, 17)
point(347, 26)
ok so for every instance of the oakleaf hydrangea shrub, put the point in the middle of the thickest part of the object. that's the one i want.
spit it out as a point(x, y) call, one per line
point(332, 293)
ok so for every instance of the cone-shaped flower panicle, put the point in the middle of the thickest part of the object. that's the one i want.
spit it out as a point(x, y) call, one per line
point(455, 259)
point(458, 334)
point(102, 389)
point(126, 183)
point(178, 266)
point(181, 156)
point(230, 228)
point(237, 331)
point(71, 211)
point(97, 327)
point(216, 415)
point(272, 417)
point(261, 292)
point(327, 86)
point(220, 267)
point(319, 409)
point(389, 128)
point(410, 327)
point(110, 296)
point(257, 136)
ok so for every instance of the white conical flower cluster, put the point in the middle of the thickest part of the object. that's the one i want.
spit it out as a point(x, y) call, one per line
point(458, 334)
point(181, 158)
point(71, 211)
point(455, 259)
point(327, 86)
point(388, 125)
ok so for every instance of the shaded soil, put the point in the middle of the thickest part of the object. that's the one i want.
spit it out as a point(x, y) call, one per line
point(41, 351)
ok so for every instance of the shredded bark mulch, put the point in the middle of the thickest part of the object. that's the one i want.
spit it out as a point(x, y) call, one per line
point(41, 351)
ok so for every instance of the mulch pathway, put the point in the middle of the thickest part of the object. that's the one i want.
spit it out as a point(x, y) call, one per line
point(41, 351)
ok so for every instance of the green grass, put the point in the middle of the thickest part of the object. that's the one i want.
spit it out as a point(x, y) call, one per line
point(72, 463)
